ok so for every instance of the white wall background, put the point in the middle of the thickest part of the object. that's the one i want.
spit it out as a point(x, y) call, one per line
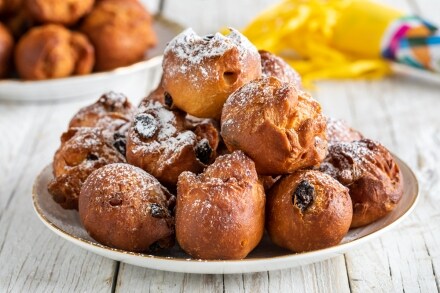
point(213, 14)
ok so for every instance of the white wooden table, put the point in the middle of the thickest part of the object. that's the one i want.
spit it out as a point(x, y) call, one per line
point(399, 112)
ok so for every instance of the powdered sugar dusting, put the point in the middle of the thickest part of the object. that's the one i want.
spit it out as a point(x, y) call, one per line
point(226, 197)
point(167, 133)
point(320, 178)
point(171, 148)
point(273, 65)
point(228, 173)
point(187, 53)
point(128, 177)
point(93, 141)
point(243, 44)
point(111, 97)
point(193, 49)
point(357, 150)
point(347, 161)
point(164, 120)
point(127, 192)
point(339, 131)
point(85, 137)
point(146, 125)
point(257, 92)
point(108, 105)
point(249, 96)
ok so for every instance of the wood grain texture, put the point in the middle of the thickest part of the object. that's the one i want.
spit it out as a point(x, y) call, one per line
point(16, 129)
point(326, 276)
point(36, 259)
point(137, 279)
point(399, 260)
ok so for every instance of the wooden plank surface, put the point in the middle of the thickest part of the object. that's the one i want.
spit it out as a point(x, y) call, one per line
point(34, 259)
point(399, 260)
point(399, 112)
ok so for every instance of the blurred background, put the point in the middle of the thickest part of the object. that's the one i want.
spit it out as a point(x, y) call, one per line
point(212, 15)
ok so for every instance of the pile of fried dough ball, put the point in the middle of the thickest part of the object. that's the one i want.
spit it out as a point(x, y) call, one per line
point(227, 146)
point(44, 39)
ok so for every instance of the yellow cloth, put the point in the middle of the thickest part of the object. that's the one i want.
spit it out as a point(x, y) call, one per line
point(325, 39)
point(361, 26)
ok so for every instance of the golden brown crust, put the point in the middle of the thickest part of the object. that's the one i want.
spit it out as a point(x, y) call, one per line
point(6, 48)
point(220, 213)
point(51, 51)
point(82, 151)
point(308, 210)
point(124, 207)
point(369, 171)
point(268, 181)
point(201, 72)
point(274, 66)
point(110, 106)
point(276, 125)
point(58, 12)
point(164, 143)
point(84, 54)
point(207, 129)
point(121, 31)
point(339, 131)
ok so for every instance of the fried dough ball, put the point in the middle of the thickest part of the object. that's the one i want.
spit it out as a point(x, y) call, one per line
point(268, 181)
point(64, 12)
point(308, 210)
point(109, 106)
point(18, 23)
point(369, 171)
point(121, 31)
point(201, 72)
point(113, 113)
point(10, 6)
point(51, 51)
point(220, 213)
point(123, 206)
point(82, 151)
point(339, 131)
point(164, 143)
point(273, 65)
point(6, 48)
point(276, 125)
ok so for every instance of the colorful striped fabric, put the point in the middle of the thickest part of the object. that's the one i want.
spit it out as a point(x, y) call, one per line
point(413, 41)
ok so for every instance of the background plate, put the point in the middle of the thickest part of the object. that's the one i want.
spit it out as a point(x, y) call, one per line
point(266, 256)
point(134, 80)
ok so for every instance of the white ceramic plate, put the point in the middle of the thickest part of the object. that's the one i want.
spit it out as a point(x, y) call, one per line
point(135, 81)
point(265, 257)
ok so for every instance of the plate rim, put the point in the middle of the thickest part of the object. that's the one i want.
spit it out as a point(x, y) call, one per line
point(199, 265)
point(151, 62)
point(134, 79)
